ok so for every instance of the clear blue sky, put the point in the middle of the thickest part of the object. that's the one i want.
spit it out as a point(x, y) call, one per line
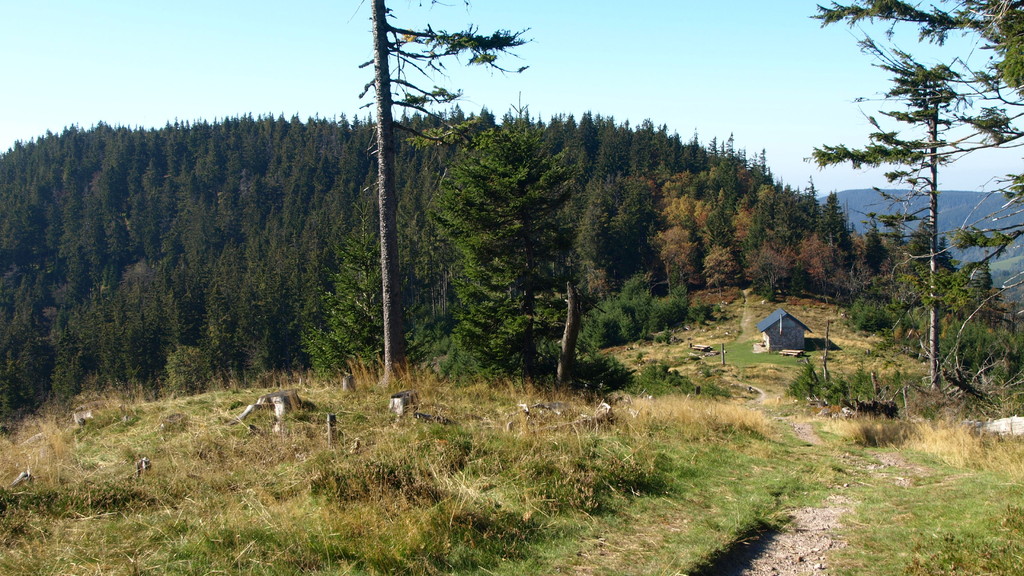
point(761, 71)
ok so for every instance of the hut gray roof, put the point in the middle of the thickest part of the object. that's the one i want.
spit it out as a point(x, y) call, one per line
point(775, 317)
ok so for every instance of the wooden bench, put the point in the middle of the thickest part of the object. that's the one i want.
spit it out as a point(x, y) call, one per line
point(793, 353)
point(701, 347)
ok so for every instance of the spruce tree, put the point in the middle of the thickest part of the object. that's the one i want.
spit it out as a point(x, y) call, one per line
point(424, 51)
point(499, 208)
point(991, 92)
point(915, 149)
point(353, 311)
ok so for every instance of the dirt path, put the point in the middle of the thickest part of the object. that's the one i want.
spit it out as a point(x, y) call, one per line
point(762, 396)
point(805, 431)
point(803, 546)
point(800, 550)
point(748, 322)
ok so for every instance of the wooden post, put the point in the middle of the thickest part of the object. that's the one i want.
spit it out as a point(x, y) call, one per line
point(331, 420)
point(348, 384)
point(723, 353)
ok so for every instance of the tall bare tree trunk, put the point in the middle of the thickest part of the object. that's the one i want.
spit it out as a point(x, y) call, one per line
point(387, 201)
point(934, 373)
point(567, 358)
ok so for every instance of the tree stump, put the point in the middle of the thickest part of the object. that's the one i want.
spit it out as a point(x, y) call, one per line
point(287, 398)
point(281, 406)
point(404, 401)
point(281, 402)
point(141, 466)
point(603, 414)
point(79, 418)
point(175, 421)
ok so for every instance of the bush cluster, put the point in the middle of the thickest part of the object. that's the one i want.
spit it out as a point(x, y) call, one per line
point(634, 314)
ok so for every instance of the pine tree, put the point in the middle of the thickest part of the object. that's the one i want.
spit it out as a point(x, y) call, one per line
point(991, 94)
point(832, 224)
point(875, 251)
point(353, 312)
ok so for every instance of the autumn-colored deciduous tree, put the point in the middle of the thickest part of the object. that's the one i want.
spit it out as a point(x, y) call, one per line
point(770, 266)
point(721, 268)
point(680, 255)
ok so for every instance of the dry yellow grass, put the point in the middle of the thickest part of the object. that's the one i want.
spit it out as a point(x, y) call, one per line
point(41, 446)
point(699, 417)
point(952, 443)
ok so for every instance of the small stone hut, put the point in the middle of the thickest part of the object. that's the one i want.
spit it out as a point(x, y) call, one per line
point(782, 331)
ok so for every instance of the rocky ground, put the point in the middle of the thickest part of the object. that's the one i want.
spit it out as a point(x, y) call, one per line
point(801, 549)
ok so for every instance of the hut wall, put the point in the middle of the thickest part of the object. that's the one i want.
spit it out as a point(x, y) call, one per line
point(790, 337)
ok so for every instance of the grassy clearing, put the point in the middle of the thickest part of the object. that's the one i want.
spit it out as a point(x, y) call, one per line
point(954, 445)
point(663, 488)
point(948, 523)
point(954, 509)
point(495, 492)
point(735, 329)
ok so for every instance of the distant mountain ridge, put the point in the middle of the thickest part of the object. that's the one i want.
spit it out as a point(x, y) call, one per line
point(957, 208)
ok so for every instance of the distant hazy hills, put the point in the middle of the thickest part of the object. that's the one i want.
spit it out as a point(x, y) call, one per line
point(957, 208)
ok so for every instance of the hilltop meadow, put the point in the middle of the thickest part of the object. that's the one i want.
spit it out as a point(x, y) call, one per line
point(669, 484)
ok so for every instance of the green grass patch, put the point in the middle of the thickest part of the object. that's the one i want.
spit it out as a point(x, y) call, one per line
point(948, 522)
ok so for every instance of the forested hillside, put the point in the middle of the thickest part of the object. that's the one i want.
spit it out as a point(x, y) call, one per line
point(159, 259)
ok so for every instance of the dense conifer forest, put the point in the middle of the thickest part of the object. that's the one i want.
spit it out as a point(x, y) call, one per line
point(160, 259)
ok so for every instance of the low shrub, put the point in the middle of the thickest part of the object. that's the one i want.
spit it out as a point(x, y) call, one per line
point(634, 314)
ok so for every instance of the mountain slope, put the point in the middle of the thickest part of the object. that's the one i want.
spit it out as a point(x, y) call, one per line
point(957, 209)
